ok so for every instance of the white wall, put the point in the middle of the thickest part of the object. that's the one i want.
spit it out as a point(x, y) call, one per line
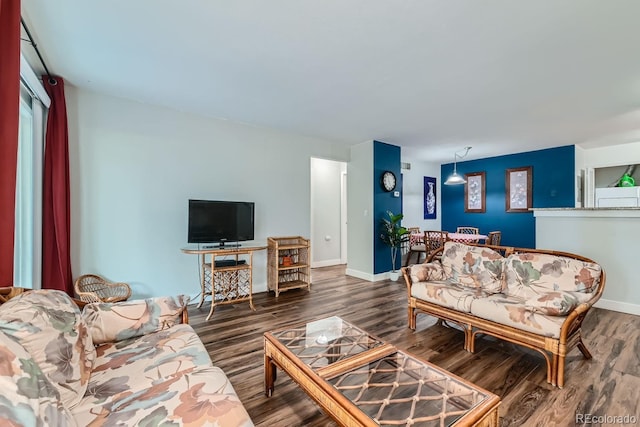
point(133, 167)
point(326, 196)
point(613, 155)
point(413, 195)
point(360, 212)
point(608, 237)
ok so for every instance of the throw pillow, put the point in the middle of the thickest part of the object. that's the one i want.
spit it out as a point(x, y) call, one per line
point(530, 274)
point(474, 267)
point(110, 322)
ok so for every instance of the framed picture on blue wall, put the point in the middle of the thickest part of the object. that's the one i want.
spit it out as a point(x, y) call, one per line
point(430, 192)
point(474, 192)
point(519, 194)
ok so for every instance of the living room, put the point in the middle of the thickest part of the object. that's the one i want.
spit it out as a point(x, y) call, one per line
point(139, 151)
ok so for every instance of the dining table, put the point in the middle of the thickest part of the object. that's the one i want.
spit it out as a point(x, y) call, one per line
point(466, 238)
point(418, 238)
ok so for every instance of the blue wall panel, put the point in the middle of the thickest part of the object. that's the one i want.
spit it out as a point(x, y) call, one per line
point(553, 186)
point(385, 157)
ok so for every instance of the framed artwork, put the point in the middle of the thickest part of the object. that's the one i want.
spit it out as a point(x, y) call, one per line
point(474, 192)
point(430, 193)
point(519, 192)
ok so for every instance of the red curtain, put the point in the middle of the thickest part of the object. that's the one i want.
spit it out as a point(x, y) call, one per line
point(9, 119)
point(56, 223)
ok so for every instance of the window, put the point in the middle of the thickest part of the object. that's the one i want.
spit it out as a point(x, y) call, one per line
point(27, 270)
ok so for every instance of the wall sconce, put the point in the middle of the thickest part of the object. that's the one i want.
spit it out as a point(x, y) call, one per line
point(455, 178)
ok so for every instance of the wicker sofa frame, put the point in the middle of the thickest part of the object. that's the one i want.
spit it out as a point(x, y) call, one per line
point(554, 350)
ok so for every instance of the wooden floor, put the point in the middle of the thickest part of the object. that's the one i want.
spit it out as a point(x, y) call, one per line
point(608, 384)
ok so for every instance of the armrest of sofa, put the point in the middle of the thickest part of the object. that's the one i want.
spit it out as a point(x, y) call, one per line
point(574, 319)
point(9, 292)
point(111, 322)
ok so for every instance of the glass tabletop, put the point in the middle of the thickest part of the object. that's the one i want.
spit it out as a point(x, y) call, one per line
point(323, 342)
point(401, 390)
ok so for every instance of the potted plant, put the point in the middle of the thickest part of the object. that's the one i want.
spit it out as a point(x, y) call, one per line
point(393, 234)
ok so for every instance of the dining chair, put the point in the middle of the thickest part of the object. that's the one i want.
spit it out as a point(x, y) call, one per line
point(494, 237)
point(417, 248)
point(468, 230)
point(406, 245)
point(434, 239)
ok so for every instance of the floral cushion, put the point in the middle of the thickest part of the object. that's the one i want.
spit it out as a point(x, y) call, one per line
point(47, 323)
point(556, 303)
point(162, 353)
point(528, 275)
point(426, 272)
point(473, 266)
point(27, 398)
point(446, 294)
point(164, 375)
point(512, 312)
point(108, 322)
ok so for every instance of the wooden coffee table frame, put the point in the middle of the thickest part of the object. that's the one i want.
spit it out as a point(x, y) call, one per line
point(339, 407)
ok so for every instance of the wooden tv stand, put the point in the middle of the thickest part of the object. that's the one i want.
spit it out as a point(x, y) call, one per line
point(225, 274)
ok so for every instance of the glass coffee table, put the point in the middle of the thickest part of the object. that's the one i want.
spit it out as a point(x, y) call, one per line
point(360, 380)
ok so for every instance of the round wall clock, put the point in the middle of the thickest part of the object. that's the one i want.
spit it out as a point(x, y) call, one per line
point(388, 181)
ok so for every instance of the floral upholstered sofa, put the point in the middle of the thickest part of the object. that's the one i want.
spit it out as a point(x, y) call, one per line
point(532, 297)
point(129, 363)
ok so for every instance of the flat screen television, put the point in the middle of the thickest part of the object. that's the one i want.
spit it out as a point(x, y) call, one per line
point(220, 222)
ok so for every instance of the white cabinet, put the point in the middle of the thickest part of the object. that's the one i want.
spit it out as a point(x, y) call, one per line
point(618, 197)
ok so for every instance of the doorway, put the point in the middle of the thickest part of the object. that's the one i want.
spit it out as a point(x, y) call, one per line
point(328, 212)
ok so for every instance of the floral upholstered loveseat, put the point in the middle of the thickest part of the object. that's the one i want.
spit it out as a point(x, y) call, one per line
point(531, 297)
point(130, 363)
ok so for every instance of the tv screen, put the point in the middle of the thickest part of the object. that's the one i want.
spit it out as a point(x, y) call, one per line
point(214, 221)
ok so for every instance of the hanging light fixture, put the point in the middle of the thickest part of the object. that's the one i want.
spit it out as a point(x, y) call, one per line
point(455, 178)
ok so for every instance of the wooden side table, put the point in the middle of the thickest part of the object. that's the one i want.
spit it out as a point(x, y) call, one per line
point(226, 275)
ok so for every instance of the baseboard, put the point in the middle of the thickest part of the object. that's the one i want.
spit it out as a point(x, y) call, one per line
point(623, 307)
point(367, 276)
point(326, 263)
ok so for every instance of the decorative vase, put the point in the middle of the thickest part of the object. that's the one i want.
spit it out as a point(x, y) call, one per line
point(394, 275)
point(431, 200)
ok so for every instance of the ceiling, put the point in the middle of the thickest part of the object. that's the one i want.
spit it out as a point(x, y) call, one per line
point(431, 76)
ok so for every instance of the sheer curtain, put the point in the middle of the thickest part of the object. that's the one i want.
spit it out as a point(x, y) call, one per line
point(23, 240)
point(28, 211)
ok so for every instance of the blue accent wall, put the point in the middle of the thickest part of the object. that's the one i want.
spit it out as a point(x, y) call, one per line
point(385, 157)
point(553, 187)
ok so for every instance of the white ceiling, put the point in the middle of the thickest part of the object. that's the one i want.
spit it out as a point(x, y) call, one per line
point(431, 76)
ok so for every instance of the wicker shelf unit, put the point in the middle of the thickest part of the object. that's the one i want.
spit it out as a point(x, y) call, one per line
point(288, 263)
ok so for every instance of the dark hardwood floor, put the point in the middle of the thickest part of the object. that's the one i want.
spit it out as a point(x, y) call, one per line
point(608, 384)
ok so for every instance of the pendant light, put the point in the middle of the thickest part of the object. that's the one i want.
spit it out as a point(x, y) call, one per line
point(455, 178)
